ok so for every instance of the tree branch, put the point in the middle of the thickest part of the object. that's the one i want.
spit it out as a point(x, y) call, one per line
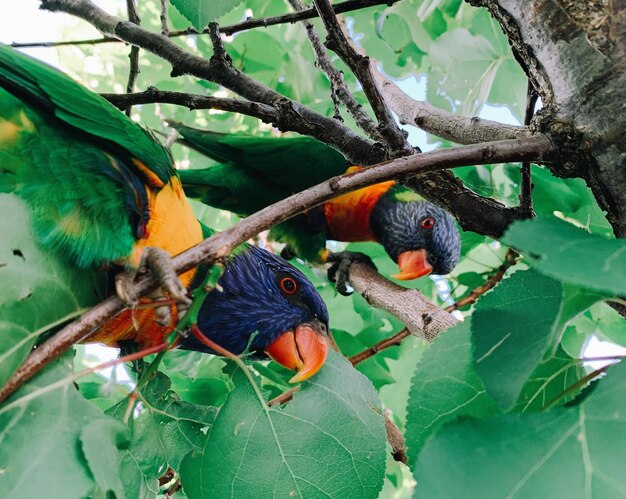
point(422, 318)
point(309, 13)
point(133, 72)
point(526, 184)
point(220, 245)
point(394, 137)
point(153, 95)
point(219, 69)
point(448, 126)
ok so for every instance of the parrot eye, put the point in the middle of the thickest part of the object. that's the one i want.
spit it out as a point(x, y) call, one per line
point(288, 285)
point(427, 223)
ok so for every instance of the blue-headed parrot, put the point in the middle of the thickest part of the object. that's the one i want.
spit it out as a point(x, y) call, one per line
point(104, 194)
point(253, 172)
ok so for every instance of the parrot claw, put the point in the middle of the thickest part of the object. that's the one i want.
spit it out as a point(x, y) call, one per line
point(339, 270)
point(159, 262)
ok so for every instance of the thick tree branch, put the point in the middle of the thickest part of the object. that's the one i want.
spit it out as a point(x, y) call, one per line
point(394, 137)
point(441, 123)
point(421, 317)
point(310, 13)
point(152, 95)
point(220, 245)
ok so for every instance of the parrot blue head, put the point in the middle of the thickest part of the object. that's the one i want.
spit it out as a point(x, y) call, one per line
point(262, 293)
point(420, 236)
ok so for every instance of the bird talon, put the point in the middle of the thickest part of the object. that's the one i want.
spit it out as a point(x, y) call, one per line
point(339, 271)
point(124, 287)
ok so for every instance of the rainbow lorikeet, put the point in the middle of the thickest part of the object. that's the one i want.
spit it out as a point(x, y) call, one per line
point(253, 172)
point(103, 193)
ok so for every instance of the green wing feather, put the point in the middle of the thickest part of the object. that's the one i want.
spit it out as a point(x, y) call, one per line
point(255, 171)
point(75, 171)
point(43, 87)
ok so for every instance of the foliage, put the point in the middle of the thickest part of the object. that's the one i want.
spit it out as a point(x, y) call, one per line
point(497, 406)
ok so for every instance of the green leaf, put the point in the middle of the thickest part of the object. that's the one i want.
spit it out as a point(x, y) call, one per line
point(567, 452)
point(329, 441)
point(166, 430)
point(565, 252)
point(515, 325)
point(101, 456)
point(38, 289)
point(551, 381)
point(200, 12)
point(42, 427)
point(444, 387)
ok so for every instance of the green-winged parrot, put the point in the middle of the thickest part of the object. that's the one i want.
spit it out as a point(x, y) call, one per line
point(253, 172)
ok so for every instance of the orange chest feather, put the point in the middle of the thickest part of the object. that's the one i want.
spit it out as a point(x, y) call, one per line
point(348, 216)
point(172, 226)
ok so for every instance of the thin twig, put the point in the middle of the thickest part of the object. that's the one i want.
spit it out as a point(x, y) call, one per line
point(133, 17)
point(292, 17)
point(152, 95)
point(510, 258)
point(526, 187)
point(393, 136)
point(339, 90)
point(395, 439)
point(220, 245)
point(164, 29)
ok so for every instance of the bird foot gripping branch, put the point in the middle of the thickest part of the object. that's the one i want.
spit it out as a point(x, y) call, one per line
point(159, 262)
point(339, 271)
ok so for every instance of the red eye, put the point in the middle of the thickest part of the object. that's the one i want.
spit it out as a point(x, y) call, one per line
point(288, 285)
point(428, 223)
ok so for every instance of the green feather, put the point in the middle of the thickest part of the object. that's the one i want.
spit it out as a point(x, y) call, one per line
point(67, 153)
point(260, 171)
point(53, 92)
point(254, 172)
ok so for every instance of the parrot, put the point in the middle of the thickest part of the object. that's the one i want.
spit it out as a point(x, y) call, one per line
point(105, 195)
point(253, 172)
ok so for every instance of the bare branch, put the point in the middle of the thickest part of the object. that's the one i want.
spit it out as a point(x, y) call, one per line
point(220, 245)
point(152, 95)
point(338, 87)
point(133, 17)
point(525, 197)
point(310, 13)
point(441, 123)
point(219, 69)
point(336, 41)
point(164, 29)
point(421, 317)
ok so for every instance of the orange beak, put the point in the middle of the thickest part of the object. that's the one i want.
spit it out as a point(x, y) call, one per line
point(305, 350)
point(413, 264)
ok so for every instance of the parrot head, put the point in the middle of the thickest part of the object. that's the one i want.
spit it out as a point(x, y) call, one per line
point(419, 236)
point(265, 304)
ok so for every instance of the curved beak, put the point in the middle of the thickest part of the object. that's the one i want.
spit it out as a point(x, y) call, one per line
point(304, 350)
point(413, 264)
